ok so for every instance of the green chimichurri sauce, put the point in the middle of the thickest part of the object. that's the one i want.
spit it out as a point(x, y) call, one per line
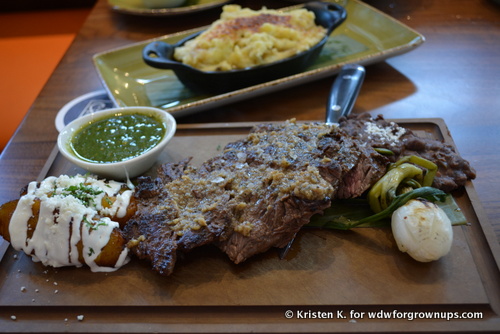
point(117, 138)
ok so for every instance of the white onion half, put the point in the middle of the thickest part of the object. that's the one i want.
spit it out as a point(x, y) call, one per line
point(423, 230)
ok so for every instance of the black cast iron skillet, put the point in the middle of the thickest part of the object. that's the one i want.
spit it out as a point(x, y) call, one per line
point(159, 54)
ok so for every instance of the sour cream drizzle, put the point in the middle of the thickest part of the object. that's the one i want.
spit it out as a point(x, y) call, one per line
point(64, 220)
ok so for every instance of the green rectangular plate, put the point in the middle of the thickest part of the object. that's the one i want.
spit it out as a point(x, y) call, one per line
point(366, 37)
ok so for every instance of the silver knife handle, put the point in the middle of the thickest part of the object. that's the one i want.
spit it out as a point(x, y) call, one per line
point(344, 92)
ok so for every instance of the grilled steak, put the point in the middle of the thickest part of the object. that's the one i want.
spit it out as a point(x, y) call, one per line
point(453, 170)
point(256, 195)
point(262, 189)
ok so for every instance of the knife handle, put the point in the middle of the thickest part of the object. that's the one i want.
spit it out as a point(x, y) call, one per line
point(345, 90)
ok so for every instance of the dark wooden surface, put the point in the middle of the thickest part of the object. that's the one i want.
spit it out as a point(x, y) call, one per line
point(454, 75)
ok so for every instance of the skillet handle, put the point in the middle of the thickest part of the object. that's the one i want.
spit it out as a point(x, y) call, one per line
point(158, 54)
point(328, 15)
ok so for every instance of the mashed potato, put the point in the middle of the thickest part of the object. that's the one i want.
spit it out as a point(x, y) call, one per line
point(244, 38)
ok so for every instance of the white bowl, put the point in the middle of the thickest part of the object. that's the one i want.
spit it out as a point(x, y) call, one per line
point(124, 169)
point(162, 3)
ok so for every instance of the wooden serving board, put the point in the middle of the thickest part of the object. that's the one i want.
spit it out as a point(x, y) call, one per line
point(330, 281)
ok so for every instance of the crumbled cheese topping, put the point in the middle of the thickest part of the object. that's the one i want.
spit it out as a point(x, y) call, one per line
point(391, 134)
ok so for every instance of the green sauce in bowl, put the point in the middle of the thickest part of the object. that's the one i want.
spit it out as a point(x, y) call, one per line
point(117, 138)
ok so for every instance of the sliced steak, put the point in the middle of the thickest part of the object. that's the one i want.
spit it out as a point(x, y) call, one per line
point(256, 195)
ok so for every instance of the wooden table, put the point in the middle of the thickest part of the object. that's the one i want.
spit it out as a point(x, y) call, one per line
point(454, 75)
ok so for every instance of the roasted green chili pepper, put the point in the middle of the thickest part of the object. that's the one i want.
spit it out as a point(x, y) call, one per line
point(404, 175)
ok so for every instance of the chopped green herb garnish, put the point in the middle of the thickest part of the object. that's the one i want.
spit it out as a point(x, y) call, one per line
point(108, 200)
point(93, 225)
point(85, 194)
